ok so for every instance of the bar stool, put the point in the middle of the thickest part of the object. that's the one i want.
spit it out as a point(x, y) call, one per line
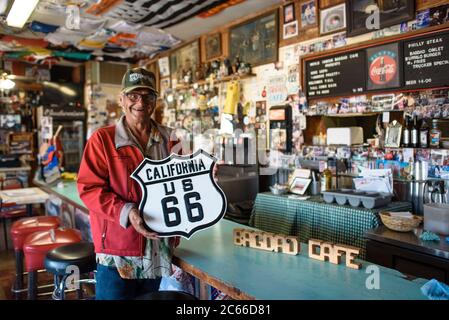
point(20, 229)
point(60, 260)
point(167, 295)
point(35, 248)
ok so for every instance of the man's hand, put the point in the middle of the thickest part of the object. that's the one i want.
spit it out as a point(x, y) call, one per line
point(174, 241)
point(137, 223)
point(215, 169)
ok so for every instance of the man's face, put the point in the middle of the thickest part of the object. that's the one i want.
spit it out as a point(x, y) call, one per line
point(138, 105)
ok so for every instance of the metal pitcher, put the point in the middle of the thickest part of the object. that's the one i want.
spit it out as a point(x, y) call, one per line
point(435, 192)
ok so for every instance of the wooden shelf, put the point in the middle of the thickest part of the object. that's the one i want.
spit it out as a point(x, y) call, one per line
point(368, 146)
point(357, 114)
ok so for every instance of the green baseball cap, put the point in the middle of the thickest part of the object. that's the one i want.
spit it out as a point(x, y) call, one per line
point(138, 78)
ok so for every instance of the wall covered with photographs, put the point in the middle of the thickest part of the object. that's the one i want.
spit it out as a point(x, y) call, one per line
point(273, 41)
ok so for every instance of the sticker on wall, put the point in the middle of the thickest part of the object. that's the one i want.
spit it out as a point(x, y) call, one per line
point(277, 90)
point(180, 195)
point(293, 79)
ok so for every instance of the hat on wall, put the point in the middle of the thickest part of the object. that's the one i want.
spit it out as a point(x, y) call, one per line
point(138, 78)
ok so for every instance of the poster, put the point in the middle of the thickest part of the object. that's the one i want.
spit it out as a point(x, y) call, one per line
point(47, 127)
point(278, 139)
point(277, 90)
point(164, 67)
point(293, 79)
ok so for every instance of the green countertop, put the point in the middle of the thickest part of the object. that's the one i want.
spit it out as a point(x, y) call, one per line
point(68, 192)
point(268, 275)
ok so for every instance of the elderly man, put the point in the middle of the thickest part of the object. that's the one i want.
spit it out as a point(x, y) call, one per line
point(130, 260)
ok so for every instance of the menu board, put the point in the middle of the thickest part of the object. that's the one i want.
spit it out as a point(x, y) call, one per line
point(426, 62)
point(416, 62)
point(336, 75)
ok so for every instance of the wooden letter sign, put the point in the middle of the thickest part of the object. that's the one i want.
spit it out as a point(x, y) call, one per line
point(266, 241)
point(332, 253)
point(180, 195)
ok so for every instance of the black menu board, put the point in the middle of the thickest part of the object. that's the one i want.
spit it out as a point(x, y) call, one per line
point(426, 62)
point(336, 75)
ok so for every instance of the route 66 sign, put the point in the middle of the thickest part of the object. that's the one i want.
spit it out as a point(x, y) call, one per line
point(180, 195)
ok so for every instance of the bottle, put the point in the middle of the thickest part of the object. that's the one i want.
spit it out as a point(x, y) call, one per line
point(424, 134)
point(326, 179)
point(435, 135)
point(406, 134)
point(414, 134)
point(383, 71)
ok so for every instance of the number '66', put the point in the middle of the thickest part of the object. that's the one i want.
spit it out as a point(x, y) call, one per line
point(172, 215)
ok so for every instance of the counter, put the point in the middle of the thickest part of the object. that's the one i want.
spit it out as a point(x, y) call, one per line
point(249, 273)
point(246, 273)
point(68, 193)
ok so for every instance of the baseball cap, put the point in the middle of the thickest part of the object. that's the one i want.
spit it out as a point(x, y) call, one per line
point(138, 78)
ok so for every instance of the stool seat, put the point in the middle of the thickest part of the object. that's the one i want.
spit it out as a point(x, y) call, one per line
point(20, 229)
point(37, 244)
point(80, 254)
point(167, 295)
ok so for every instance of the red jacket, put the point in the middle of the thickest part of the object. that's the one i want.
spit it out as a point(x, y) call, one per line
point(105, 186)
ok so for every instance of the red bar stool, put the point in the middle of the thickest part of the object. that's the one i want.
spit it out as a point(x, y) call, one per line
point(22, 228)
point(35, 249)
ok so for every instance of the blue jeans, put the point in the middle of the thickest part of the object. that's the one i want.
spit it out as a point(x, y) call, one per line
point(110, 286)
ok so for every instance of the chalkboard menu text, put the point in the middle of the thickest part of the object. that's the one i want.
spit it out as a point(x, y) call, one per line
point(336, 75)
point(426, 62)
point(419, 61)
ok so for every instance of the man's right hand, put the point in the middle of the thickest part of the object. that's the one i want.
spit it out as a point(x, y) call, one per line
point(137, 222)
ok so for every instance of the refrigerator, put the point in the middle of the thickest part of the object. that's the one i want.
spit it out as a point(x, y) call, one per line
point(73, 133)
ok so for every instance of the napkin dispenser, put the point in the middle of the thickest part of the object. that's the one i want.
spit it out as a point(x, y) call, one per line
point(344, 136)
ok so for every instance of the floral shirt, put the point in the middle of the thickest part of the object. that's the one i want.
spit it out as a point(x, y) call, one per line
point(156, 261)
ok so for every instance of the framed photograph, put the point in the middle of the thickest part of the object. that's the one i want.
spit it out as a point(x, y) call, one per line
point(393, 135)
point(438, 15)
point(164, 67)
point(384, 67)
point(391, 12)
point(299, 185)
point(290, 30)
point(333, 19)
point(183, 60)
point(383, 102)
point(289, 13)
point(308, 13)
point(213, 46)
point(256, 41)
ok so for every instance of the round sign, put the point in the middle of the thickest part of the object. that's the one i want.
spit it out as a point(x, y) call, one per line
point(382, 69)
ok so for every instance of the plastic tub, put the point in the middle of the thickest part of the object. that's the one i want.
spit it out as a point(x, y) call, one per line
point(355, 201)
point(341, 199)
point(329, 198)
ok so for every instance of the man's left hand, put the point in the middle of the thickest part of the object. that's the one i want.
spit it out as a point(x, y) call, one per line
point(215, 169)
point(174, 241)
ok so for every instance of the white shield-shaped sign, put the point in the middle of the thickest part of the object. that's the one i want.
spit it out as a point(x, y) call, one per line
point(180, 195)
